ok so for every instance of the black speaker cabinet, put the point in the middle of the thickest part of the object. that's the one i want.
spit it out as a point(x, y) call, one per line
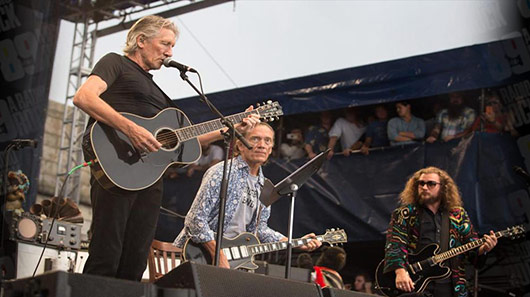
point(211, 281)
point(331, 292)
point(63, 284)
point(299, 274)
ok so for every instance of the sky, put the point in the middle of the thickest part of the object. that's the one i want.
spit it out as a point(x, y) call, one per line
point(251, 42)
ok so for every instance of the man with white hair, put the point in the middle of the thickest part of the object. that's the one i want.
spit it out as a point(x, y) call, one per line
point(124, 222)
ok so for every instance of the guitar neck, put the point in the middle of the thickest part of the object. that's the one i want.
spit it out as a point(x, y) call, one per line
point(194, 131)
point(262, 248)
point(462, 249)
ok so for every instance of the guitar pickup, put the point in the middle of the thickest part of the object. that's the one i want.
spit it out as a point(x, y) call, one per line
point(227, 254)
point(244, 251)
point(235, 252)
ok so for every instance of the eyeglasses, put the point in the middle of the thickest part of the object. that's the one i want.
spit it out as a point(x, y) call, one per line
point(257, 139)
point(430, 184)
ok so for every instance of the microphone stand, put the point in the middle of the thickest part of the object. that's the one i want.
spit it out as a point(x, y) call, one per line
point(228, 138)
point(293, 188)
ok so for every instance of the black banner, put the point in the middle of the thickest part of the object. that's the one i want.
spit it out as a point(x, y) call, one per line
point(28, 39)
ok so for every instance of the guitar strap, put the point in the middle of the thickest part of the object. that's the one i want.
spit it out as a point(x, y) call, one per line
point(258, 217)
point(444, 236)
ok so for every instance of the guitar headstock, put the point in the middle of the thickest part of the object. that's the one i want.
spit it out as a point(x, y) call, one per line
point(269, 111)
point(333, 236)
point(514, 232)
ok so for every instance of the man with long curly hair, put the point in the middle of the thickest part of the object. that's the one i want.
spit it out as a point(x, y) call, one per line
point(431, 212)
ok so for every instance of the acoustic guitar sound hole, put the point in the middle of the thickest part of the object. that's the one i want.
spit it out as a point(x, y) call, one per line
point(168, 138)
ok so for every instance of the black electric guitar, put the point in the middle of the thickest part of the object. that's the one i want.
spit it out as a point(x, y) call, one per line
point(120, 165)
point(240, 250)
point(428, 264)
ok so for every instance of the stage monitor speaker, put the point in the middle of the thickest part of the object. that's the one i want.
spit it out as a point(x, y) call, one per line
point(64, 284)
point(298, 274)
point(211, 281)
point(331, 292)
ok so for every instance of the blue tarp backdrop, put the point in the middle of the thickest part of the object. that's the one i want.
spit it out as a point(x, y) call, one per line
point(467, 68)
point(359, 192)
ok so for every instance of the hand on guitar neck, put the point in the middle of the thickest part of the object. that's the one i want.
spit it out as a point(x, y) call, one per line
point(245, 125)
point(490, 241)
point(311, 245)
point(249, 122)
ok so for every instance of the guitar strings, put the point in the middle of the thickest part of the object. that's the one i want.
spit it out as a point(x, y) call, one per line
point(167, 138)
point(171, 137)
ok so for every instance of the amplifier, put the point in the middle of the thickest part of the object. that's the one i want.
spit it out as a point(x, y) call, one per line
point(35, 229)
point(61, 234)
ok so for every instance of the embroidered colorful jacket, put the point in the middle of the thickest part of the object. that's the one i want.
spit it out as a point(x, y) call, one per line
point(403, 234)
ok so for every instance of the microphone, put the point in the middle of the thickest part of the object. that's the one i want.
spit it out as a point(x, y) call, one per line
point(183, 68)
point(521, 172)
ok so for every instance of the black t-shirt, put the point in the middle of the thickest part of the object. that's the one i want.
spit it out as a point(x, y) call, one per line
point(129, 87)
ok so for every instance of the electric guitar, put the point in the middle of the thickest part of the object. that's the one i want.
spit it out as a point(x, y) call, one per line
point(120, 165)
point(240, 250)
point(428, 264)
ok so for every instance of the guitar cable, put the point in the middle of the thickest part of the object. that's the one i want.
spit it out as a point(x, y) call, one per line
point(54, 216)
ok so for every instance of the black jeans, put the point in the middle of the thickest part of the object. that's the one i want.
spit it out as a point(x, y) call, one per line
point(123, 227)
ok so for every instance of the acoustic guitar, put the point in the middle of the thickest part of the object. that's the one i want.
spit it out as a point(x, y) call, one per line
point(119, 164)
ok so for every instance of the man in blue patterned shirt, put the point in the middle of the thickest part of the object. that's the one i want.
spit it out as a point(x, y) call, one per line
point(244, 211)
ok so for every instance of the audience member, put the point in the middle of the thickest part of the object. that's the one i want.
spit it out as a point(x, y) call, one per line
point(211, 155)
point(493, 119)
point(327, 266)
point(349, 129)
point(376, 135)
point(362, 283)
point(317, 137)
point(430, 122)
point(405, 128)
point(452, 122)
point(305, 260)
point(294, 147)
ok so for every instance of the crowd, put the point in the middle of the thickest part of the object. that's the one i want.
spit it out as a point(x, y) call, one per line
point(367, 128)
point(362, 129)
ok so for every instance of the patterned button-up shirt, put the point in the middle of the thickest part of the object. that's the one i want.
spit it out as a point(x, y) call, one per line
point(202, 218)
point(452, 127)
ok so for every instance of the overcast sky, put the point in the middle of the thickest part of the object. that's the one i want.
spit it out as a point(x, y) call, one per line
point(257, 41)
